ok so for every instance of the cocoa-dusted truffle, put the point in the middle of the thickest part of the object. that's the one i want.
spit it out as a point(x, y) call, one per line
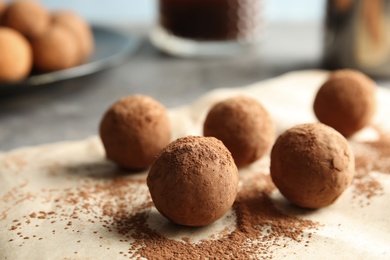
point(346, 101)
point(56, 49)
point(312, 165)
point(81, 30)
point(28, 17)
point(243, 125)
point(134, 130)
point(193, 181)
point(15, 55)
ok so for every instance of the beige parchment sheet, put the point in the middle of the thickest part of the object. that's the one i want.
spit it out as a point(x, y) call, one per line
point(56, 200)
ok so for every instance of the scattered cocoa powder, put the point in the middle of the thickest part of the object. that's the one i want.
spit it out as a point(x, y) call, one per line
point(260, 226)
point(106, 201)
point(121, 204)
point(378, 156)
point(14, 161)
point(370, 156)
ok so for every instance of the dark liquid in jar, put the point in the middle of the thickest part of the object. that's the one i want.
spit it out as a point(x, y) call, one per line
point(211, 19)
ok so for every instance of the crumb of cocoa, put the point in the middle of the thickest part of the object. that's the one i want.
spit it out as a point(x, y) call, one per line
point(260, 227)
point(255, 213)
point(369, 157)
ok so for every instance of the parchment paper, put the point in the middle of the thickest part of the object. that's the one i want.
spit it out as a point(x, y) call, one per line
point(54, 198)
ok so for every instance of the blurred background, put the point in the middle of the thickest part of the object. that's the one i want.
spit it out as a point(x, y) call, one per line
point(72, 109)
point(145, 11)
point(294, 36)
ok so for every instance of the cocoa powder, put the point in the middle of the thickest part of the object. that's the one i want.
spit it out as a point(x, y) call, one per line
point(373, 156)
point(260, 226)
point(121, 205)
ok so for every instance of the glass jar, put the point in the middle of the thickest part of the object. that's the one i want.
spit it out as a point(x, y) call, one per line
point(357, 35)
point(208, 27)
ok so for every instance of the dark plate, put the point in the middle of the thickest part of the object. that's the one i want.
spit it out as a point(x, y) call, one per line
point(111, 48)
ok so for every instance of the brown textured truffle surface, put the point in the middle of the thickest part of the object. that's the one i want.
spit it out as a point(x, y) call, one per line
point(15, 55)
point(134, 130)
point(81, 30)
point(28, 17)
point(312, 165)
point(56, 49)
point(193, 181)
point(243, 125)
point(346, 101)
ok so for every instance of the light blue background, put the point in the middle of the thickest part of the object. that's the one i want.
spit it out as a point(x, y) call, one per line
point(144, 11)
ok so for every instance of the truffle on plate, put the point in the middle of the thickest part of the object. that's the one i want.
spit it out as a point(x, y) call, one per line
point(28, 17)
point(193, 181)
point(243, 125)
point(15, 55)
point(81, 30)
point(134, 130)
point(56, 49)
point(346, 101)
point(312, 165)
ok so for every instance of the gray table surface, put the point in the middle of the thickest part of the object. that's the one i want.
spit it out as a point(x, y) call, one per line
point(72, 109)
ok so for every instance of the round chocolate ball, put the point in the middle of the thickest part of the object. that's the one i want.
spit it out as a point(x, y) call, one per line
point(80, 29)
point(312, 165)
point(15, 55)
point(346, 101)
point(28, 17)
point(134, 130)
point(56, 49)
point(243, 125)
point(193, 181)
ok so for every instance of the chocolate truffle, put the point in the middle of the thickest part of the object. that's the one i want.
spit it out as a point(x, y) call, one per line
point(193, 181)
point(81, 30)
point(28, 17)
point(243, 125)
point(15, 55)
point(134, 130)
point(346, 101)
point(56, 49)
point(312, 165)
